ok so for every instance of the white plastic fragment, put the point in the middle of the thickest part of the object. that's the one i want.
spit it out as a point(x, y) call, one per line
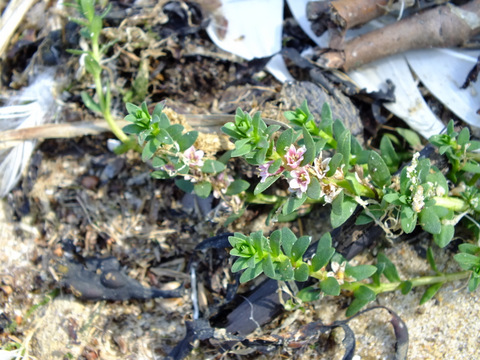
point(443, 72)
point(409, 105)
point(252, 29)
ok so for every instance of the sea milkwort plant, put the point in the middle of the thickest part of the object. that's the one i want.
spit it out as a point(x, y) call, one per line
point(322, 163)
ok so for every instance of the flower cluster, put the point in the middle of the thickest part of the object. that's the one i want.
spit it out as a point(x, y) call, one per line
point(299, 177)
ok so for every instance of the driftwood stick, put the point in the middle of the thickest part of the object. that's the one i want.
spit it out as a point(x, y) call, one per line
point(202, 123)
point(345, 13)
point(443, 26)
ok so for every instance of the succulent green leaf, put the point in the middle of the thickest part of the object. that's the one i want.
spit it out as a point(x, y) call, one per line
point(251, 273)
point(212, 166)
point(273, 168)
point(431, 259)
point(405, 287)
point(240, 264)
point(389, 154)
point(321, 258)
point(473, 282)
point(408, 219)
point(159, 109)
point(338, 129)
point(237, 186)
point(467, 261)
point(430, 221)
point(309, 294)
point(275, 241)
point(88, 9)
point(90, 103)
point(345, 206)
point(187, 140)
point(360, 272)
point(469, 248)
point(286, 270)
point(244, 149)
point(310, 154)
point(92, 66)
point(268, 268)
point(164, 137)
point(261, 187)
point(463, 136)
point(330, 286)
point(472, 167)
point(378, 273)
point(390, 270)
point(334, 163)
point(299, 247)
point(430, 292)
point(378, 170)
point(158, 162)
point(175, 131)
point(160, 174)
point(363, 295)
point(288, 239)
point(149, 149)
point(202, 189)
point(301, 273)
point(344, 147)
point(133, 129)
point(411, 137)
point(293, 203)
point(96, 25)
point(184, 185)
point(327, 116)
point(314, 190)
point(284, 141)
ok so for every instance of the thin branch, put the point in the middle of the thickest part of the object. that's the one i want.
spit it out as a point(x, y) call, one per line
point(443, 26)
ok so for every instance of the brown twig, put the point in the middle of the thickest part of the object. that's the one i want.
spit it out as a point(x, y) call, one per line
point(443, 26)
point(202, 123)
point(345, 13)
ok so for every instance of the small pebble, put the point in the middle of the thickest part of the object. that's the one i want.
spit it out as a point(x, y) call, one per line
point(90, 182)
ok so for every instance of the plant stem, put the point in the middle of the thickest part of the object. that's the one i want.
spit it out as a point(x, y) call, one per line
point(420, 281)
point(117, 131)
point(451, 203)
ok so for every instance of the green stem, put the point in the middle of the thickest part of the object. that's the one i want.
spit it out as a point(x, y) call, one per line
point(421, 281)
point(117, 131)
point(261, 198)
point(451, 203)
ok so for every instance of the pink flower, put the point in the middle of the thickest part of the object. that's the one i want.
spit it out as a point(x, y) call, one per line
point(193, 157)
point(299, 181)
point(294, 156)
point(264, 174)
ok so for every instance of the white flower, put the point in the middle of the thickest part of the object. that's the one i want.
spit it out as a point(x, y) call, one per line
point(321, 166)
point(418, 201)
point(338, 272)
point(330, 192)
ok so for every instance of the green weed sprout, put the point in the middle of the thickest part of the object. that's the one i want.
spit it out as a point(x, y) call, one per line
point(92, 24)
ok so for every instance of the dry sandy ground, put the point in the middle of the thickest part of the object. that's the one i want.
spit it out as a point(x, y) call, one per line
point(445, 328)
